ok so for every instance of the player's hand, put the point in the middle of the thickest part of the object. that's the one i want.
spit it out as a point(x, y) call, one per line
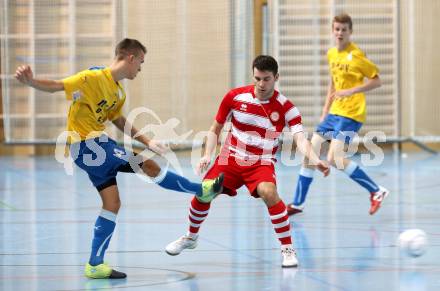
point(323, 167)
point(24, 74)
point(203, 164)
point(157, 147)
point(323, 116)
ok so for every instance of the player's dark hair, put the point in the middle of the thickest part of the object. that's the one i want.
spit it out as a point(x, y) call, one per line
point(129, 46)
point(343, 18)
point(265, 63)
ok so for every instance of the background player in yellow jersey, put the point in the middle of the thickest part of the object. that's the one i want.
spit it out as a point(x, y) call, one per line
point(343, 114)
point(97, 96)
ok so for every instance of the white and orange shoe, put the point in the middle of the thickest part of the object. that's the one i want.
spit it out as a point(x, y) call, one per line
point(376, 199)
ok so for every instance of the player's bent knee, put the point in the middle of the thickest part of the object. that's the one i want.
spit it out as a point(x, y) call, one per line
point(268, 194)
point(151, 168)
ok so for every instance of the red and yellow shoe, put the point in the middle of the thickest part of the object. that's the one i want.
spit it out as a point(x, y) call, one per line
point(293, 210)
point(377, 198)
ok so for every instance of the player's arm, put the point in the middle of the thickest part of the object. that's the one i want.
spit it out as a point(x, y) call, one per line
point(305, 148)
point(328, 100)
point(371, 84)
point(25, 75)
point(121, 123)
point(367, 86)
point(210, 146)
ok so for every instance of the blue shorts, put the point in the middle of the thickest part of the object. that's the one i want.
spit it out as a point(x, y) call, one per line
point(338, 127)
point(102, 159)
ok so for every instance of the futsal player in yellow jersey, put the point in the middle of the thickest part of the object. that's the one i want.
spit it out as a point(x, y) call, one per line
point(89, 109)
point(343, 114)
point(97, 96)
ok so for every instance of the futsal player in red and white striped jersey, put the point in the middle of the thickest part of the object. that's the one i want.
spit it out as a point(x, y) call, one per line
point(258, 115)
point(256, 124)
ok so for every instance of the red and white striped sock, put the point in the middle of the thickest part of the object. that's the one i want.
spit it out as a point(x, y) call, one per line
point(281, 223)
point(197, 214)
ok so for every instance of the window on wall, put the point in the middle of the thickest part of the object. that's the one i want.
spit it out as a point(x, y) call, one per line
point(57, 39)
point(302, 36)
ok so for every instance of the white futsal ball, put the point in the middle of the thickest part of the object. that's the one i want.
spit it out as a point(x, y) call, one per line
point(413, 242)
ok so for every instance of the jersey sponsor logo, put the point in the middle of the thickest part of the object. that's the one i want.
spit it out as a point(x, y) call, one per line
point(76, 95)
point(339, 66)
point(103, 105)
point(274, 116)
point(243, 107)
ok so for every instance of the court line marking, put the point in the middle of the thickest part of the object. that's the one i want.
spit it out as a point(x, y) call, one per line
point(187, 276)
point(7, 206)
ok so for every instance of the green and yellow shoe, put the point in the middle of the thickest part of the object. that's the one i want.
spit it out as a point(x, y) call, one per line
point(211, 188)
point(102, 271)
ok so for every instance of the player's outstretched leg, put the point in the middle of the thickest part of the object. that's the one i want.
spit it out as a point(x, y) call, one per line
point(206, 190)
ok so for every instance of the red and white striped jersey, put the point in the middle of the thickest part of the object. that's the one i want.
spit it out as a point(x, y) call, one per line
point(256, 125)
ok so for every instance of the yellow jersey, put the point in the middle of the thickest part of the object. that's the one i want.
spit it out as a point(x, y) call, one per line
point(348, 68)
point(96, 98)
